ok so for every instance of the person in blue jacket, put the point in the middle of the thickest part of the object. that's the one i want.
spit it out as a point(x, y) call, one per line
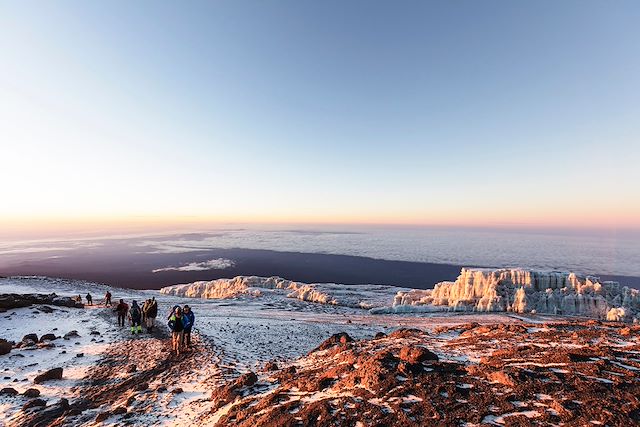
point(190, 318)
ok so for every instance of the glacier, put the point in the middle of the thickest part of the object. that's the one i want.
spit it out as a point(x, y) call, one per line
point(526, 291)
point(354, 296)
point(475, 290)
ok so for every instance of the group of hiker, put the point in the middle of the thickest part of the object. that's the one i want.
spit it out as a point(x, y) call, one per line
point(107, 299)
point(138, 315)
point(180, 319)
point(181, 322)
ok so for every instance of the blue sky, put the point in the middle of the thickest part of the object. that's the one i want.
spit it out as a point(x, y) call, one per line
point(481, 113)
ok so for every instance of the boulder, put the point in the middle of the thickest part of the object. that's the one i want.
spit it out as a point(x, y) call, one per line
point(5, 346)
point(416, 354)
point(71, 334)
point(270, 366)
point(30, 337)
point(48, 337)
point(33, 403)
point(502, 378)
point(131, 368)
point(51, 374)
point(31, 393)
point(177, 390)
point(8, 391)
point(341, 338)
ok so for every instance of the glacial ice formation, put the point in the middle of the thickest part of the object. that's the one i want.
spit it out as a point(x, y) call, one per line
point(357, 296)
point(526, 291)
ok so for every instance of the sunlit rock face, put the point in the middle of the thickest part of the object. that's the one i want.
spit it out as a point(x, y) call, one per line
point(526, 291)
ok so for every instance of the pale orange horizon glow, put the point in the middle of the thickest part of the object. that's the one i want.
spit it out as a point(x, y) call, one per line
point(28, 227)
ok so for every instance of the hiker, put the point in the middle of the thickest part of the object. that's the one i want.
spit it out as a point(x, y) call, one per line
point(79, 298)
point(122, 310)
point(89, 299)
point(188, 324)
point(135, 314)
point(152, 313)
point(176, 324)
point(107, 299)
point(173, 311)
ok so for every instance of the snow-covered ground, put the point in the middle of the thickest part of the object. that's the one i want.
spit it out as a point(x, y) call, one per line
point(237, 334)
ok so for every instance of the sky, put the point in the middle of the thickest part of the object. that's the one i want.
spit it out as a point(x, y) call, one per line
point(493, 113)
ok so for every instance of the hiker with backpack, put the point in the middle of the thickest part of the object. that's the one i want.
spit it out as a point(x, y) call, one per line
point(190, 319)
point(152, 313)
point(122, 308)
point(176, 324)
point(135, 315)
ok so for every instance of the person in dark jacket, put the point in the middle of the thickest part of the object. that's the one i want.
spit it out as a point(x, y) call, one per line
point(188, 324)
point(152, 313)
point(89, 299)
point(122, 308)
point(176, 324)
point(107, 299)
point(135, 314)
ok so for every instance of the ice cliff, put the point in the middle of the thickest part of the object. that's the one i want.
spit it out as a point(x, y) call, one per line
point(357, 296)
point(526, 291)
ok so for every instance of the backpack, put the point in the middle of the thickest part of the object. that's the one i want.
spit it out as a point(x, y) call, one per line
point(135, 312)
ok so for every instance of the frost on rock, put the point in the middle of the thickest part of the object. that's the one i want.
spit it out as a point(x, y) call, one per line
point(527, 291)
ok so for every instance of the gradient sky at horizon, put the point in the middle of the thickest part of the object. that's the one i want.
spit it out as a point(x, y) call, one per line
point(473, 113)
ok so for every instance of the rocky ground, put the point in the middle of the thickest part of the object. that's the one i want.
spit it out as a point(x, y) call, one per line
point(265, 364)
point(568, 373)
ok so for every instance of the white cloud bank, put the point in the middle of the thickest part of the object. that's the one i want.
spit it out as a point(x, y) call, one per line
point(212, 264)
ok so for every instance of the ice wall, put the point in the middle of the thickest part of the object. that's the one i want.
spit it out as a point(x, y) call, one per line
point(357, 296)
point(525, 291)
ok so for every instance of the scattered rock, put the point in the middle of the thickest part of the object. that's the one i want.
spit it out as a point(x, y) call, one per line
point(30, 337)
point(177, 390)
point(9, 391)
point(48, 337)
point(232, 390)
point(94, 333)
point(51, 374)
point(5, 346)
point(341, 338)
point(270, 366)
point(142, 386)
point(31, 392)
point(71, 334)
point(502, 378)
point(80, 355)
point(102, 416)
point(131, 368)
point(33, 403)
point(131, 400)
point(416, 354)
point(119, 410)
point(379, 335)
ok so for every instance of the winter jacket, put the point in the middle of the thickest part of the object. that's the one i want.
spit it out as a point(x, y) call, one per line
point(190, 318)
point(176, 324)
point(135, 313)
point(122, 308)
point(152, 310)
